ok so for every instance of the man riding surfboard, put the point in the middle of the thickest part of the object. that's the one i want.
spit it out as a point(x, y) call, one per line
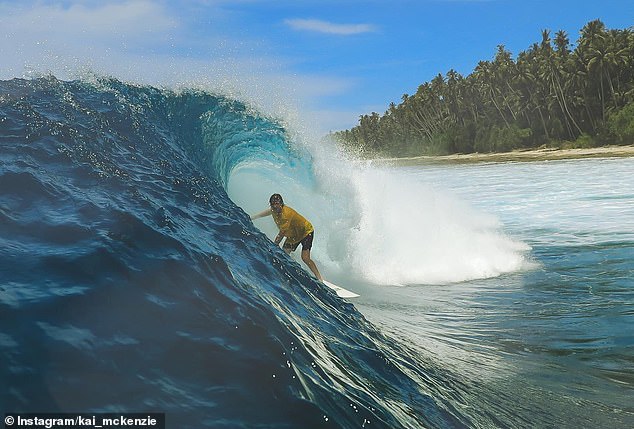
point(296, 228)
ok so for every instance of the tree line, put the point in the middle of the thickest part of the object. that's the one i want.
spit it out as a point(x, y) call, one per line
point(551, 95)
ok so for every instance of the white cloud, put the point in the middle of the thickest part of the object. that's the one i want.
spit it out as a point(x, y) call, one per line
point(326, 121)
point(84, 25)
point(64, 40)
point(329, 27)
point(147, 42)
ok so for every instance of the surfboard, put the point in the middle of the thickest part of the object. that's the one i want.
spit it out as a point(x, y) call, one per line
point(343, 293)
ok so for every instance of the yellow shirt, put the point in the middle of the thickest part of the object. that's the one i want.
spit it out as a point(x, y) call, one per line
point(292, 225)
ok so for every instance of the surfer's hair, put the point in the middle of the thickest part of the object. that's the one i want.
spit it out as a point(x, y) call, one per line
point(276, 198)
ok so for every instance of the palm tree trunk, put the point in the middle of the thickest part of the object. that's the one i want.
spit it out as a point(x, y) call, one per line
point(498, 108)
point(563, 97)
point(541, 116)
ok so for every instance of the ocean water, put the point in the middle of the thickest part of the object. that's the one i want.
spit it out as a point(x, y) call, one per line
point(132, 280)
point(551, 345)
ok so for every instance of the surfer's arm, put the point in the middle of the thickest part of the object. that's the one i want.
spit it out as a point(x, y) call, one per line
point(279, 237)
point(264, 213)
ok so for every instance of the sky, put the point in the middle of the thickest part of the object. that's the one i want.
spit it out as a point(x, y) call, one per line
point(323, 62)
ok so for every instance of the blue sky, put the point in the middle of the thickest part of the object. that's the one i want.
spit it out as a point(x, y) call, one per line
point(329, 60)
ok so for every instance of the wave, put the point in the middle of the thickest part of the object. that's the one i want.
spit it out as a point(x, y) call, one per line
point(132, 282)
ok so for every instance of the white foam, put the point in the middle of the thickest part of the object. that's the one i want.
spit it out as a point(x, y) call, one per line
point(382, 225)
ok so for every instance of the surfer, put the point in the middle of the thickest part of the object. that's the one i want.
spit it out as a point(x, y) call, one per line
point(296, 228)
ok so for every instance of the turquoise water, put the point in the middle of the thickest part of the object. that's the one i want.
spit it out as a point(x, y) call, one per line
point(551, 345)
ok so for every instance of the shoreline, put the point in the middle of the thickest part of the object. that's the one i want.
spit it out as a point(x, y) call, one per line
point(549, 154)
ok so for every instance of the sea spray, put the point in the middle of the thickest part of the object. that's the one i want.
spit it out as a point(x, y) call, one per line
point(375, 223)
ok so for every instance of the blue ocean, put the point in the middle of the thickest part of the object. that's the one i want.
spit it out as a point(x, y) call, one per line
point(133, 280)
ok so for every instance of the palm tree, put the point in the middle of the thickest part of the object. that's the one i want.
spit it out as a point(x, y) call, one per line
point(553, 90)
point(617, 58)
point(504, 69)
point(553, 71)
point(487, 83)
point(592, 54)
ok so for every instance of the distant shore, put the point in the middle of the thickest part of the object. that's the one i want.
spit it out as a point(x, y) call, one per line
point(517, 156)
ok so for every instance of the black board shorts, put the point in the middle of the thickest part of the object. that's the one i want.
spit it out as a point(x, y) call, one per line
point(307, 243)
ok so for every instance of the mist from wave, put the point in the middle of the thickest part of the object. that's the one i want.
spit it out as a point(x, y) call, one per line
point(378, 224)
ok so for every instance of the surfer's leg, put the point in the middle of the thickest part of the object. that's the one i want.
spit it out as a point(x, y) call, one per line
point(307, 244)
point(310, 263)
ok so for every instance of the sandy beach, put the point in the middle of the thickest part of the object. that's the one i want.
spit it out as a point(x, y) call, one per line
point(518, 156)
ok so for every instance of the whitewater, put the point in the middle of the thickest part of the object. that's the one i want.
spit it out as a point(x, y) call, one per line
point(132, 279)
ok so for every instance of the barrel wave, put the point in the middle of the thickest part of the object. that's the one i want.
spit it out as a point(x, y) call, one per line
point(131, 282)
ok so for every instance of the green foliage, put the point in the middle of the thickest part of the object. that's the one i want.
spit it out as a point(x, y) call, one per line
point(548, 94)
point(585, 141)
point(502, 139)
point(620, 125)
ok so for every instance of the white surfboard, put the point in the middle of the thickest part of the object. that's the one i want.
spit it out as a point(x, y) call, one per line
point(343, 293)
